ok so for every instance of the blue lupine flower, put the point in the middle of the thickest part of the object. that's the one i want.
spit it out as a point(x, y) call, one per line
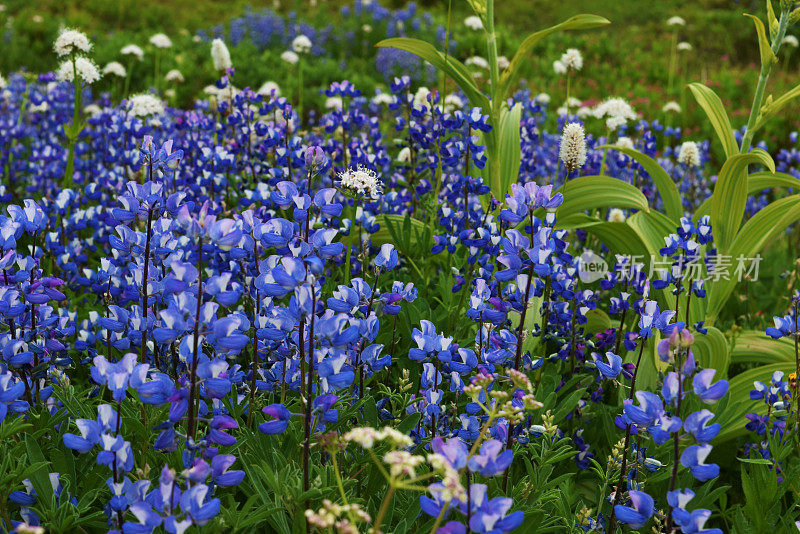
point(640, 511)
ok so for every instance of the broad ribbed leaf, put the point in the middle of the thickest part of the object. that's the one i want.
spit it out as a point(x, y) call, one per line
point(756, 182)
point(730, 196)
point(754, 346)
point(509, 150)
point(712, 351)
point(512, 73)
point(664, 183)
point(763, 227)
point(591, 192)
point(767, 56)
point(715, 112)
point(771, 108)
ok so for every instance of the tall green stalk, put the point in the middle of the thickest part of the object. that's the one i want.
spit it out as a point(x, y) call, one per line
point(766, 68)
point(72, 133)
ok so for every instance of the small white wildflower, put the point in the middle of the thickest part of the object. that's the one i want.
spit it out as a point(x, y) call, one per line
point(170, 93)
point(115, 68)
point(402, 463)
point(174, 76)
point(92, 110)
point(364, 436)
point(366, 28)
point(617, 112)
point(791, 40)
point(301, 44)
point(269, 88)
point(38, 19)
point(473, 23)
point(684, 46)
point(85, 67)
point(421, 97)
point(676, 21)
point(503, 62)
point(382, 99)
point(71, 41)
point(144, 104)
point(573, 146)
point(404, 156)
point(584, 112)
point(452, 102)
point(160, 40)
point(542, 98)
point(689, 154)
point(3, 83)
point(361, 181)
point(671, 107)
point(478, 62)
point(559, 67)
point(616, 215)
point(572, 59)
point(290, 57)
point(220, 55)
point(334, 103)
point(132, 50)
point(624, 142)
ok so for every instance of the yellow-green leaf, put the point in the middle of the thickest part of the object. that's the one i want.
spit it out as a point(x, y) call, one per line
point(767, 56)
point(715, 111)
point(592, 192)
point(756, 182)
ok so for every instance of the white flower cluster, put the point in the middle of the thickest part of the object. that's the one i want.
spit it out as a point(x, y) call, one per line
point(790, 40)
point(671, 107)
point(174, 76)
point(450, 488)
point(84, 67)
point(403, 463)
point(616, 215)
point(478, 62)
point(617, 112)
point(269, 88)
point(362, 181)
point(220, 55)
point(330, 516)
point(301, 44)
point(676, 21)
point(290, 57)
point(70, 42)
point(116, 68)
point(473, 23)
point(573, 146)
point(683, 46)
point(132, 50)
point(367, 436)
point(160, 40)
point(689, 154)
point(382, 99)
point(144, 104)
point(571, 60)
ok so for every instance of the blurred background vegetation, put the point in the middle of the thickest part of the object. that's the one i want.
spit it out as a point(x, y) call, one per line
point(629, 58)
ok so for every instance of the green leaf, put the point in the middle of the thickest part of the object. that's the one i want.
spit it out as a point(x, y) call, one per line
point(663, 181)
point(712, 351)
point(730, 196)
point(715, 112)
point(767, 56)
point(451, 66)
point(762, 228)
point(40, 479)
point(756, 182)
point(510, 151)
point(592, 192)
point(772, 20)
point(771, 108)
point(732, 416)
point(754, 346)
point(511, 75)
point(388, 224)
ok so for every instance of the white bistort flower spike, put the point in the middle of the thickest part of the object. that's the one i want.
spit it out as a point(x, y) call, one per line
point(671, 107)
point(160, 40)
point(572, 59)
point(115, 68)
point(573, 146)
point(132, 50)
point(689, 154)
point(301, 44)
point(84, 67)
point(220, 55)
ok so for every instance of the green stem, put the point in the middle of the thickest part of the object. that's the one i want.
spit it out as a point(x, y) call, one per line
point(384, 508)
point(758, 99)
point(491, 44)
point(73, 134)
point(350, 246)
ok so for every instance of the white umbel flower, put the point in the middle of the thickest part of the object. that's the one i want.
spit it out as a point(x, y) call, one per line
point(382, 99)
point(361, 181)
point(624, 142)
point(132, 50)
point(617, 112)
point(542, 98)
point(676, 21)
point(473, 23)
point(671, 107)
point(290, 57)
point(453, 101)
point(115, 68)
point(503, 62)
point(616, 215)
point(301, 44)
point(144, 105)
point(689, 154)
point(421, 97)
point(85, 67)
point(220, 55)
point(334, 103)
point(160, 40)
point(71, 41)
point(791, 40)
point(559, 68)
point(572, 59)
point(174, 76)
point(3, 83)
point(573, 146)
point(683, 46)
point(269, 88)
